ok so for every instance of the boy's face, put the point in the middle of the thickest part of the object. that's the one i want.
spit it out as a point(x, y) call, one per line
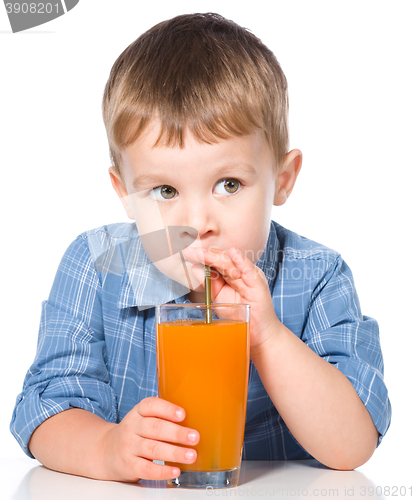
point(225, 191)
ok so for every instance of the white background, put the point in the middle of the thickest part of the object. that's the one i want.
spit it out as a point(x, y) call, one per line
point(351, 73)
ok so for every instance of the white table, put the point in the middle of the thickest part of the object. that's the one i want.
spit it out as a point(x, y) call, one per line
point(25, 479)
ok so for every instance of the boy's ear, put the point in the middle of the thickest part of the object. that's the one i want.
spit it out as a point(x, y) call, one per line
point(121, 190)
point(287, 176)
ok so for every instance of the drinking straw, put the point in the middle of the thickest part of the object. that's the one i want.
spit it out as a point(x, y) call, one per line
point(207, 276)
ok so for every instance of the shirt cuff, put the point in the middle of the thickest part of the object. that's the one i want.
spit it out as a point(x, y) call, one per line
point(39, 402)
point(370, 387)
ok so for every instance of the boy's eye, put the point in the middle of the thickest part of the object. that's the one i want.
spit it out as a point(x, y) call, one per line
point(230, 186)
point(165, 192)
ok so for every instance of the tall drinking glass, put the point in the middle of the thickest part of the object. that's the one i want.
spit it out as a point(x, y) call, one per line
point(203, 368)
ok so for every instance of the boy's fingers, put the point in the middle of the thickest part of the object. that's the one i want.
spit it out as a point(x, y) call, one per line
point(156, 450)
point(246, 268)
point(146, 469)
point(157, 407)
point(163, 430)
point(234, 266)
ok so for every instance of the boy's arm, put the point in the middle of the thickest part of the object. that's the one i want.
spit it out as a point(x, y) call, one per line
point(79, 442)
point(71, 442)
point(67, 400)
point(69, 369)
point(317, 402)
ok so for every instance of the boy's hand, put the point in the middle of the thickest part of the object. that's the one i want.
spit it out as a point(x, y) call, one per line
point(238, 281)
point(145, 434)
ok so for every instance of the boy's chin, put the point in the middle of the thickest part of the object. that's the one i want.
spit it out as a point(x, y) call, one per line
point(173, 268)
point(199, 289)
point(197, 297)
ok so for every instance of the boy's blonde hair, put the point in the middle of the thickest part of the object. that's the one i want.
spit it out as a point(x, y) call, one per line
point(199, 72)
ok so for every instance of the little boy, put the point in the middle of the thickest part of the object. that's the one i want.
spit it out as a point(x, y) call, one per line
point(196, 115)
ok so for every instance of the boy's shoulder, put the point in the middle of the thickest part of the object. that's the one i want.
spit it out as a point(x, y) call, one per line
point(294, 246)
point(117, 231)
point(116, 249)
point(102, 238)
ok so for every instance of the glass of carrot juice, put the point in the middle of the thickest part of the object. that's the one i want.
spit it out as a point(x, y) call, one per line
point(202, 366)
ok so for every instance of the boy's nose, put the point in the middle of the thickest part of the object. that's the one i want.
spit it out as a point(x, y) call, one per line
point(201, 218)
point(169, 241)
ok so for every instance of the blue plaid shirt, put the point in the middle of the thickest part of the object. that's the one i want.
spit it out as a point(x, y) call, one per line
point(96, 345)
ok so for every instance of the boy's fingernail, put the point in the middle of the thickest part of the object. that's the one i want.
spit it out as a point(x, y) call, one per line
point(189, 455)
point(192, 436)
point(179, 413)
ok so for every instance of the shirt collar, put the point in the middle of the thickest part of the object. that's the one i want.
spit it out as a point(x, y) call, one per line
point(269, 260)
point(144, 286)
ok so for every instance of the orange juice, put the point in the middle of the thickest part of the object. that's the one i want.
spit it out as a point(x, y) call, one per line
point(203, 368)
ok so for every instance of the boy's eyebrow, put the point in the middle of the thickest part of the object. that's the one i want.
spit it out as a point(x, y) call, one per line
point(231, 168)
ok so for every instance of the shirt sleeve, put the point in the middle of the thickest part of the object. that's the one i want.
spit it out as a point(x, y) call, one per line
point(338, 332)
point(69, 370)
